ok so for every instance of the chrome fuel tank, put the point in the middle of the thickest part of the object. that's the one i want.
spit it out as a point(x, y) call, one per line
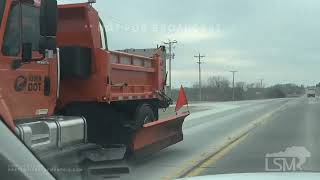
point(53, 133)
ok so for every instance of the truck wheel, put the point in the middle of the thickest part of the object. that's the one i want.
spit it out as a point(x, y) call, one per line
point(143, 115)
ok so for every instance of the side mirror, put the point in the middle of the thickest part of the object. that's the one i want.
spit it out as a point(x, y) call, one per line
point(26, 52)
point(48, 18)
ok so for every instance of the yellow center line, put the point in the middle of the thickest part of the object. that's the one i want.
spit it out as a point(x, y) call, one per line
point(215, 158)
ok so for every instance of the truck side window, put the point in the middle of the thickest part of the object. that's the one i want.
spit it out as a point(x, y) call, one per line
point(31, 25)
point(11, 44)
point(2, 7)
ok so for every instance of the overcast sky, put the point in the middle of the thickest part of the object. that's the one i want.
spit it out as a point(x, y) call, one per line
point(274, 40)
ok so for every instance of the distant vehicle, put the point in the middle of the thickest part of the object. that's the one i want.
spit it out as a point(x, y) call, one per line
point(311, 92)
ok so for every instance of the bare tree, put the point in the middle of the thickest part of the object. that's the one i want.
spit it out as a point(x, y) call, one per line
point(241, 85)
point(218, 82)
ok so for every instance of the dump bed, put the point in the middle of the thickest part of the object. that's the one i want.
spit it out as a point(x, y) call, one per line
point(91, 73)
point(134, 77)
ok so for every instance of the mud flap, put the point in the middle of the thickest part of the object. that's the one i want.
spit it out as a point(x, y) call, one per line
point(158, 135)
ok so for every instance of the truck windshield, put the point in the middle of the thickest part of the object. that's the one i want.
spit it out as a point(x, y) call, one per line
point(30, 29)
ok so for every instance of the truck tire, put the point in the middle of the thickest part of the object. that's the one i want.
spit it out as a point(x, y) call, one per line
point(143, 115)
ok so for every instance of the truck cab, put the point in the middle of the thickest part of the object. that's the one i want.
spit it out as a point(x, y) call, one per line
point(30, 90)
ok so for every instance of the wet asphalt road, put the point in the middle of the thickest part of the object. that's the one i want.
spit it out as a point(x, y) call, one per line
point(297, 127)
point(202, 135)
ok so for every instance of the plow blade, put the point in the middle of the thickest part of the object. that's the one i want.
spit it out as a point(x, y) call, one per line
point(158, 135)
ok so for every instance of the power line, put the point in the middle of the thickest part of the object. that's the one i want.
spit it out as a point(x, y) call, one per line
point(200, 83)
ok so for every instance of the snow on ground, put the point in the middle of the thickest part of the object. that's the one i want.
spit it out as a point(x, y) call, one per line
point(213, 108)
point(199, 110)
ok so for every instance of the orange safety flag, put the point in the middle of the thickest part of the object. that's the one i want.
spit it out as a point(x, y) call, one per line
point(182, 99)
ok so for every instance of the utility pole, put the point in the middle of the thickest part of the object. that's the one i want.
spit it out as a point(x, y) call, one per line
point(233, 74)
point(171, 56)
point(261, 83)
point(200, 85)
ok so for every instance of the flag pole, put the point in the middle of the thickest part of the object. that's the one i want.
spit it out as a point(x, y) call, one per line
point(188, 107)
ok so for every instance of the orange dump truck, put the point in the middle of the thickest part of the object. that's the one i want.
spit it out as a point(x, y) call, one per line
point(68, 97)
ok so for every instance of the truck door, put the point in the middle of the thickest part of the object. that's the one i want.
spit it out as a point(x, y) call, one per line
point(30, 90)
